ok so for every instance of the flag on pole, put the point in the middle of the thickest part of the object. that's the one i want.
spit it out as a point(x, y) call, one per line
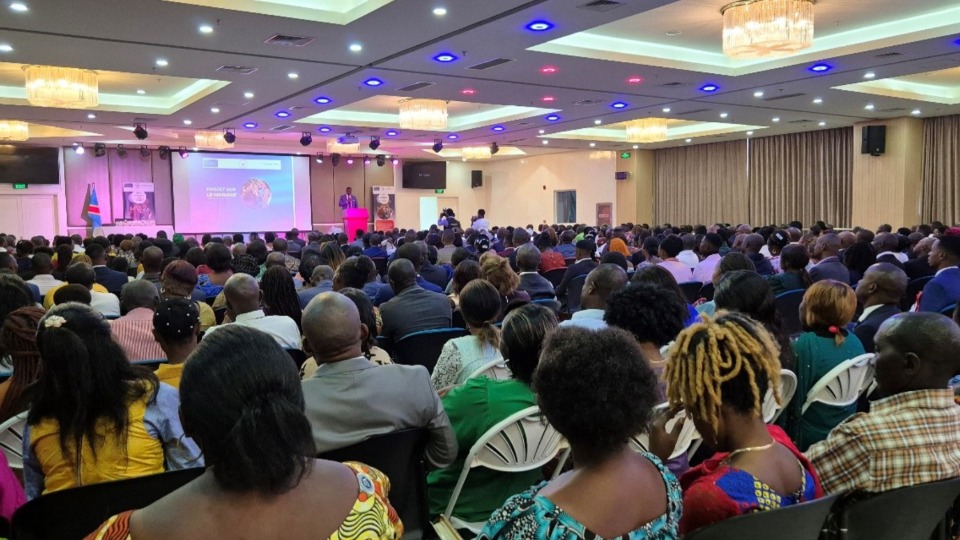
point(93, 209)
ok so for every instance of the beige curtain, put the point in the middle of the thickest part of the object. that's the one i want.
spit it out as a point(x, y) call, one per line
point(940, 192)
point(802, 176)
point(701, 184)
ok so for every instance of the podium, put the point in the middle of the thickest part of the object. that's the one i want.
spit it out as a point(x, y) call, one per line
point(355, 219)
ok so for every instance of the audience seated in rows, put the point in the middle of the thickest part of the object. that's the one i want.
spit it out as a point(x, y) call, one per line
point(243, 404)
point(413, 309)
point(94, 416)
point(879, 293)
point(133, 331)
point(460, 357)
point(479, 404)
point(350, 399)
point(600, 285)
point(244, 308)
point(597, 410)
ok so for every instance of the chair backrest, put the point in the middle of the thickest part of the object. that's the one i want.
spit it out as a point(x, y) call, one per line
point(691, 289)
point(842, 385)
point(948, 311)
point(423, 348)
point(381, 264)
point(80, 510)
point(788, 307)
point(688, 434)
point(797, 522)
point(910, 513)
point(400, 456)
point(11, 439)
point(496, 370)
point(788, 387)
point(555, 276)
point(574, 288)
point(550, 303)
point(914, 286)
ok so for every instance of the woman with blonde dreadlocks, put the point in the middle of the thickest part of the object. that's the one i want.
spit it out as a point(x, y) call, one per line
point(719, 372)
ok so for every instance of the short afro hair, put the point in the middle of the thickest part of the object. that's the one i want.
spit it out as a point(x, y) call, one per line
point(598, 402)
point(652, 314)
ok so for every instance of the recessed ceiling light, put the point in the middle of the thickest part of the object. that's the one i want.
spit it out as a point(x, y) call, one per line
point(439, 12)
point(597, 122)
point(547, 99)
point(868, 106)
point(549, 70)
point(187, 122)
point(821, 124)
point(619, 105)
point(293, 75)
point(749, 133)
point(817, 101)
point(162, 62)
point(539, 26)
point(666, 109)
point(688, 140)
point(636, 147)
point(141, 91)
point(356, 47)
point(250, 125)
point(758, 94)
point(636, 79)
point(91, 116)
point(915, 112)
point(19, 6)
point(248, 95)
point(392, 133)
point(869, 75)
point(724, 115)
point(542, 132)
point(323, 100)
point(5, 47)
point(776, 118)
point(593, 145)
point(553, 117)
point(498, 128)
point(325, 129)
point(281, 114)
point(446, 58)
point(206, 29)
point(453, 136)
point(820, 68)
point(214, 110)
point(546, 142)
point(373, 81)
point(468, 92)
point(709, 88)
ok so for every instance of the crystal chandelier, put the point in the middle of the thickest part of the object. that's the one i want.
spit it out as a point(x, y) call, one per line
point(14, 130)
point(429, 114)
point(475, 152)
point(767, 28)
point(211, 139)
point(66, 88)
point(647, 130)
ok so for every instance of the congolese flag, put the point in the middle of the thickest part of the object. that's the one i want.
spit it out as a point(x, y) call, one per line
point(93, 209)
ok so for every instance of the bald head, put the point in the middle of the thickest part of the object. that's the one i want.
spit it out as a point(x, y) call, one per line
point(847, 239)
point(151, 259)
point(601, 283)
point(402, 275)
point(752, 243)
point(275, 258)
point(139, 293)
point(242, 293)
point(885, 241)
point(923, 247)
point(528, 258)
point(827, 245)
point(882, 283)
point(917, 351)
point(331, 328)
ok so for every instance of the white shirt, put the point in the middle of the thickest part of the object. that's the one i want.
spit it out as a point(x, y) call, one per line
point(867, 311)
point(591, 319)
point(280, 327)
point(689, 258)
point(704, 271)
point(45, 282)
point(480, 224)
point(681, 272)
point(106, 303)
point(902, 257)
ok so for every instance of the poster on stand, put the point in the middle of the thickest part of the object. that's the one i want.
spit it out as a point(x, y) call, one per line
point(138, 203)
point(384, 207)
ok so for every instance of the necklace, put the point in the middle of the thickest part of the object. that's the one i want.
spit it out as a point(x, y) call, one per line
point(749, 449)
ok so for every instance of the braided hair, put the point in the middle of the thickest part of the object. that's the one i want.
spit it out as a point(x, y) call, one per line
point(18, 340)
point(279, 294)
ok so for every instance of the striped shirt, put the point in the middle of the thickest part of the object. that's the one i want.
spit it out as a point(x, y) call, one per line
point(134, 333)
point(907, 439)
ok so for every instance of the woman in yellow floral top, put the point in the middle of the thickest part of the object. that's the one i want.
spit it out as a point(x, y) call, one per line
point(241, 401)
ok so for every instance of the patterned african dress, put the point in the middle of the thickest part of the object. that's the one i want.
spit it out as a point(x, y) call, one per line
point(714, 491)
point(529, 515)
point(371, 518)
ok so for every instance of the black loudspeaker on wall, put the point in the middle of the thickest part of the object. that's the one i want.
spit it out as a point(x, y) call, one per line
point(874, 140)
point(476, 179)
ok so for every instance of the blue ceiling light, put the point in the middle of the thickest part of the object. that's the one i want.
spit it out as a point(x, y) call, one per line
point(553, 117)
point(498, 128)
point(392, 133)
point(281, 114)
point(453, 136)
point(709, 88)
point(250, 125)
point(539, 26)
point(373, 81)
point(324, 129)
point(446, 58)
point(323, 100)
point(820, 68)
point(619, 105)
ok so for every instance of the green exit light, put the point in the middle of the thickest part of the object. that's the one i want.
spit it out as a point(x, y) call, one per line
point(19, 186)
point(440, 191)
point(625, 155)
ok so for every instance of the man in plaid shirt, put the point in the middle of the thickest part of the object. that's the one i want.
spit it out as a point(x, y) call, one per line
point(913, 435)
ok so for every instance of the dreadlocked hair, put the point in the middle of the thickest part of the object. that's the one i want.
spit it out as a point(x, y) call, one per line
point(730, 359)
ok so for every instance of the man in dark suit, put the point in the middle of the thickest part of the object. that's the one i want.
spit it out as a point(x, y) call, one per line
point(583, 266)
point(531, 282)
point(919, 266)
point(879, 291)
point(350, 399)
point(112, 280)
point(413, 309)
point(943, 290)
point(829, 267)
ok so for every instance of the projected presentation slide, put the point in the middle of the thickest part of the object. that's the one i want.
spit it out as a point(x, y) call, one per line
point(241, 192)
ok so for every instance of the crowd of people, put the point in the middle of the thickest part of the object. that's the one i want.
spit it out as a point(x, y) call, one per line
point(253, 354)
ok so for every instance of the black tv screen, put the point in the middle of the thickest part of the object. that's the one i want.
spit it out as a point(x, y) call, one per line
point(29, 165)
point(425, 174)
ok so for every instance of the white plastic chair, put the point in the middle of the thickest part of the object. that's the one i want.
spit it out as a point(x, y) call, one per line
point(496, 370)
point(521, 442)
point(788, 387)
point(11, 439)
point(689, 439)
point(842, 385)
